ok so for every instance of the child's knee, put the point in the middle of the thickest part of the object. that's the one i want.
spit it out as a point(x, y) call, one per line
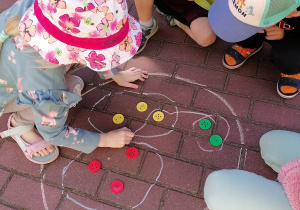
point(206, 40)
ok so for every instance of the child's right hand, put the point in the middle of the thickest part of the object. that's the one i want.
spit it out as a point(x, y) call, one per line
point(117, 138)
point(125, 78)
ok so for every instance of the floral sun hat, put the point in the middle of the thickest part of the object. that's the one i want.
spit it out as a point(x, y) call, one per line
point(97, 33)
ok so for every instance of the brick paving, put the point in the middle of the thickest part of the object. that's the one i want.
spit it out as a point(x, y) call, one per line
point(187, 83)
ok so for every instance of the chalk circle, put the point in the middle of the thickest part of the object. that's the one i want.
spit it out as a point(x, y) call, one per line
point(158, 116)
point(118, 118)
point(216, 140)
point(141, 107)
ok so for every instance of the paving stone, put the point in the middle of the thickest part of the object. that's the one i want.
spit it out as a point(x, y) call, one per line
point(201, 76)
point(2, 207)
point(222, 103)
point(11, 156)
point(174, 52)
point(76, 202)
point(96, 98)
point(154, 67)
point(103, 122)
point(3, 125)
point(129, 104)
point(178, 201)
point(176, 173)
point(241, 132)
point(72, 112)
point(162, 139)
point(185, 119)
point(220, 45)
point(255, 88)
point(41, 197)
point(86, 74)
point(3, 177)
point(152, 48)
point(69, 152)
point(201, 150)
point(255, 163)
point(267, 70)
point(74, 174)
point(215, 61)
point(133, 193)
point(276, 115)
point(207, 172)
point(175, 92)
point(294, 101)
point(115, 158)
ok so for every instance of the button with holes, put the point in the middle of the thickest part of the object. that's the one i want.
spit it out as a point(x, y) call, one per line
point(118, 118)
point(158, 116)
point(216, 140)
point(132, 152)
point(94, 166)
point(141, 107)
point(116, 187)
point(205, 124)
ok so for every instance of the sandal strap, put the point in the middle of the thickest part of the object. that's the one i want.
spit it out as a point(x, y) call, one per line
point(37, 146)
point(16, 130)
point(288, 81)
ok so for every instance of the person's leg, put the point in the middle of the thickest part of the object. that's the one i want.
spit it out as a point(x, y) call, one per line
point(23, 115)
point(240, 52)
point(147, 21)
point(278, 147)
point(286, 57)
point(200, 31)
point(237, 189)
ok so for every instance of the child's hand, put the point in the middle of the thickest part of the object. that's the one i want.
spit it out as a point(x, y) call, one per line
point(117, 138)
point(124, 78)
point(273, 32)
point(295, 13)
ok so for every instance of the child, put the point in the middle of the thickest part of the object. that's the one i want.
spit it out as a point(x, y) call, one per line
point(39, 47)
point(187, 15)
point(236, 189)
point(236, 21)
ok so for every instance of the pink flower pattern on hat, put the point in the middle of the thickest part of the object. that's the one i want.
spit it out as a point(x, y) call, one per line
point(96, 61)
point(97, 33)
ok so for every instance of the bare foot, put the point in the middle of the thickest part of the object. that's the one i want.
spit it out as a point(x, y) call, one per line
point(32, 137)
point(125, 78)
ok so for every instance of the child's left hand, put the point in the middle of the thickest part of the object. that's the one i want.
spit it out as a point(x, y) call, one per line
point(124, 78)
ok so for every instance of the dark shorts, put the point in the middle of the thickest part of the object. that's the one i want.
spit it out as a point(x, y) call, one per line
point(182, 10)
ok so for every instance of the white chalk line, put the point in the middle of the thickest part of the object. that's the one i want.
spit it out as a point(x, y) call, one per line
point(189, 81)
point(161, 168)
point(43, 190)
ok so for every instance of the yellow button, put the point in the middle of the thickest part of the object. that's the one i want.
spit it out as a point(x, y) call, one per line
point(118, 118)
point(158, 116)
point(142, 106)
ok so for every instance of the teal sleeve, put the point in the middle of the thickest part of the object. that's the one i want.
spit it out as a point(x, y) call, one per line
point(50, 121)
point(18, 8)
point(108, 74)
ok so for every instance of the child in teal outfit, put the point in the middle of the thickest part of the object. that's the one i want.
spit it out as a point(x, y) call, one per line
point(41, 40)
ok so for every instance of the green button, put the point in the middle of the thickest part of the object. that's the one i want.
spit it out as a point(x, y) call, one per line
point(205, 124)
point(216, 140)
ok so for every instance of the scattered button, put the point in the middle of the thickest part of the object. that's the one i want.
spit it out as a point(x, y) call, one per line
point(94, 166)
point(158, 116)
point(132, 152)
point(116, 187)
point(142, 106)
point(118, 118)
point(216, 140)
point(205, 124)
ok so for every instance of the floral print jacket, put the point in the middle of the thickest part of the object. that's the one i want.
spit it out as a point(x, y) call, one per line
point(42, 89)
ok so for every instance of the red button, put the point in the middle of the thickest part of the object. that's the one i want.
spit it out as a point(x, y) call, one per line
point(132, 152)
point(116, 187)
point(94, 166)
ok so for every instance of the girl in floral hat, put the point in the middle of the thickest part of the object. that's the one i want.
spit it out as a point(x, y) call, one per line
point(40, 40)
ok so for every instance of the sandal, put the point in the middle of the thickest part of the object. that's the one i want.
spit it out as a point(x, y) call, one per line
point(236, 56)
point(290, 82)
point(29, 149)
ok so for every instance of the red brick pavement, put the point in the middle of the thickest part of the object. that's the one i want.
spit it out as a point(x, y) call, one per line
point(188, 83)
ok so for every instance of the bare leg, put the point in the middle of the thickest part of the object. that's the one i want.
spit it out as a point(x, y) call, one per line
point(200, 31)
point(144, 9)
